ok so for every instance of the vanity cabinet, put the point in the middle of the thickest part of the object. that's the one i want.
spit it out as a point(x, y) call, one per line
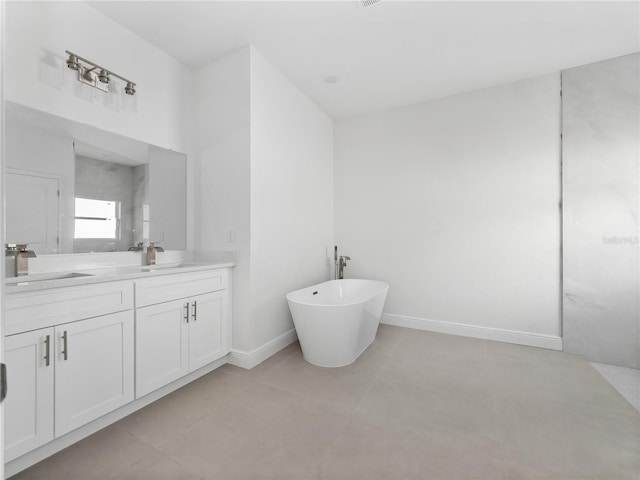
point(66, 376)
point(29, 404)
point(78, 353)
point(180, 335)
point(66, 373)
point(162, 337)
point(93, 369)
point(208, 330)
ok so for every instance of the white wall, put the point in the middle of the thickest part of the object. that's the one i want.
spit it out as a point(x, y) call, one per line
point(265, 173)
point(34, 29)
point(291, 196)
point(222, 173)
point(455, 203)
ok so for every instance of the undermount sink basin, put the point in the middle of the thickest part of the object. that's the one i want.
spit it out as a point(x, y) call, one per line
point(150, 268)
point(41, 277)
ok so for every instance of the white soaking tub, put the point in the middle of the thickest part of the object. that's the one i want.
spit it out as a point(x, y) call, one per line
point(337, 320)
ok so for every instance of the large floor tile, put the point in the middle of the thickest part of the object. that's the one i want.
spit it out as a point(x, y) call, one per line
point(377, 450)
point(157, 467)
point(341, 387)
point(106, 454)
point(560, 377)
point(263, 433)
point(166, 418)
point(436, 399)
point(545, 439)
point(415, 405)
point(432, 349)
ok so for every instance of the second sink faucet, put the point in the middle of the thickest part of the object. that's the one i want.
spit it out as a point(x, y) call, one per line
point(21, 254)
point(340, 263)
point(151, 253)
point(138, 247)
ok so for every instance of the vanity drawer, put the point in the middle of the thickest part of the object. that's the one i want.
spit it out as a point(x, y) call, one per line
point(39, 309)
point(165, 288)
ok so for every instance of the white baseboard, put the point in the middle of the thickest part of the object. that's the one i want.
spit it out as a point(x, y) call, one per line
point(244, 359)
point(464, 330)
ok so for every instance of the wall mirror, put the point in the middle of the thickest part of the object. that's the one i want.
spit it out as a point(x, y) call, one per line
point(73, 188)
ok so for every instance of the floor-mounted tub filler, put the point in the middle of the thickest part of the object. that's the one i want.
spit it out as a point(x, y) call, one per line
point(337, 320)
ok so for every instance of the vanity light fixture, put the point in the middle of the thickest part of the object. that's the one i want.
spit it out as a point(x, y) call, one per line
point(93, 74)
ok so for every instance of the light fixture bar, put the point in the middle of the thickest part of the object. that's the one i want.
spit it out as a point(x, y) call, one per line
point(74, 60)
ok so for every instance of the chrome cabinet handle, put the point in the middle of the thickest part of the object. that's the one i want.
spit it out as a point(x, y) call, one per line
point(47, 351)
point(194, 315)
point(65, 346)
point(186, 312)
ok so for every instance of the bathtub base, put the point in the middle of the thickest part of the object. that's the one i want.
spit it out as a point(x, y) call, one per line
point(330, 362)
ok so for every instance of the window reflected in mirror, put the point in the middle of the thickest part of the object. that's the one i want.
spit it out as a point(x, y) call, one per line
point(97, 219)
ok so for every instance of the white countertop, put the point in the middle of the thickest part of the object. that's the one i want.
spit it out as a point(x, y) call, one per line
point(44, 281)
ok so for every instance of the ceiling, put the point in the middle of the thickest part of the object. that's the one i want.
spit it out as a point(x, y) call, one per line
point(393, 53)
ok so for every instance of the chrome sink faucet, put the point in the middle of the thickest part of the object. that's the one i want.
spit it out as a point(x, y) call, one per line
point(340, 263)
point(151, 253)
point(21, 254)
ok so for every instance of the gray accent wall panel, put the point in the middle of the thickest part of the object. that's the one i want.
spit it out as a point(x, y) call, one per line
point(601, 269)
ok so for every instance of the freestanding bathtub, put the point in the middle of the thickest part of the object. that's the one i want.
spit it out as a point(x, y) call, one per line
point(337, 320)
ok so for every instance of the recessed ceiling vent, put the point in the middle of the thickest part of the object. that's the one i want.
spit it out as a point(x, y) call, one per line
point(368, 3)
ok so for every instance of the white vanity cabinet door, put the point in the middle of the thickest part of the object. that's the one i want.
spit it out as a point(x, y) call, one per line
point(94, 369)
point(28, 408)
point(207, 329)
point(162, 338)
point(183, 323)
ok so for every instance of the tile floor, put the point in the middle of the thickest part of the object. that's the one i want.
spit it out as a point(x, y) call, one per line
point(415, 405)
